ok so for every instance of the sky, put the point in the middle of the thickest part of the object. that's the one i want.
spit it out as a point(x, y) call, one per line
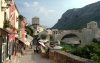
point(48, 11)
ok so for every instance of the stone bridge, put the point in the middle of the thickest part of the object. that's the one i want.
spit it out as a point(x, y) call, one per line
point(84, 36)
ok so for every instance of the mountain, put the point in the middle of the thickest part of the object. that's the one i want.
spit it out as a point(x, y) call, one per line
point(78, 18)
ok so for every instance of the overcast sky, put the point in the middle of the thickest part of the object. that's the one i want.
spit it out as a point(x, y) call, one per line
point(49, 11)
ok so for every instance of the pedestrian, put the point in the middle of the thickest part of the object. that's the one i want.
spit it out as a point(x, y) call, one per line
point(31, 44)
point(37, 45)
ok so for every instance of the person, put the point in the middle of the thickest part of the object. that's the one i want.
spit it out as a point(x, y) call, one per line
point(37, 46)
point(31, 44)
point(48, 50)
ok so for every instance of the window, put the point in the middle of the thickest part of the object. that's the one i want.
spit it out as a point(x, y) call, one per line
point(5, 16)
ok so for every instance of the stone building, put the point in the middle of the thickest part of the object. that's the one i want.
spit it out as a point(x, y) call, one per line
point(35, 21)
point(93, 26)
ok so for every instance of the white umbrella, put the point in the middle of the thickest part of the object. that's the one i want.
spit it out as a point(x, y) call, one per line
point(57, 47)
point(42, 44)
point(43, 41)
point(40, 40)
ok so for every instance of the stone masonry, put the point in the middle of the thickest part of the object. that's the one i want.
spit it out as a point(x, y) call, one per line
point(64, 57)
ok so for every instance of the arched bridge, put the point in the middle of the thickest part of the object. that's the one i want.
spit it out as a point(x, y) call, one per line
point(84, 37)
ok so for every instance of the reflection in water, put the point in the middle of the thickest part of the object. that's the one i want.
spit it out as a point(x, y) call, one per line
point(72, 42)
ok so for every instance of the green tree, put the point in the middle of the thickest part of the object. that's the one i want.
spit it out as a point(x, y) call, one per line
point(95, 57)
point(94, 40)
point(43, 36)
point(80, 31)
point(20, 17)
point(29, 30)
point(51, 38)
point(90, 51)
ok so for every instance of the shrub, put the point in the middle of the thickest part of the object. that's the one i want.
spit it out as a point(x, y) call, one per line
point(7, 23)
point(29, 30)
point(51, 38)
point(21, 18)
point(90, 51)
point(65, 48)
point(43, 36)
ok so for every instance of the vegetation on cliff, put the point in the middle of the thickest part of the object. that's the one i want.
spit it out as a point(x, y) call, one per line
point(78, 18)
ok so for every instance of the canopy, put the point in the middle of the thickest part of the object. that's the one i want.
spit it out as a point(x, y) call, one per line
point(27, 43)
point(42, 44)
point(57, 47)
point(43, 41)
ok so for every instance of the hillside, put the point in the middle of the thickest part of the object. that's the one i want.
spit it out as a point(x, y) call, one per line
point(78, 18)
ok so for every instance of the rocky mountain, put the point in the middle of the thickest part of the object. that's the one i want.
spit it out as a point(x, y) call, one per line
point(78, 18)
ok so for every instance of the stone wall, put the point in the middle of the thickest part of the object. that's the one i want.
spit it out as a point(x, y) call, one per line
point(63, 57)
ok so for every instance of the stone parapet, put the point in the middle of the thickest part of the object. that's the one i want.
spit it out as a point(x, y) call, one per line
point(64, 57)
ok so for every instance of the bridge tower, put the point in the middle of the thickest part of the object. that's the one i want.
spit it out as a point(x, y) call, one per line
point(94, 26)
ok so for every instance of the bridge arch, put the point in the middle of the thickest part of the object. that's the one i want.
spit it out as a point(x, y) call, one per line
point(69, 36)
point(60, 36)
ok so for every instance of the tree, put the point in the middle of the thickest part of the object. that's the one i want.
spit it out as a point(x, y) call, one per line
point(43, 36)
point(51, 38)
point(20, 17)
point(29, 30)
point(80, 31)
point(94, 40)
point(90, 51)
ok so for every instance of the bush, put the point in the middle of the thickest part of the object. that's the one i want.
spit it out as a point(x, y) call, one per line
point(21, 18)
point(7, 23)
point(43, 36)
point(95, 57)
point(95, 40)
point(65, 48)
point(51, 38)
point(89, 51)
point(29, 30)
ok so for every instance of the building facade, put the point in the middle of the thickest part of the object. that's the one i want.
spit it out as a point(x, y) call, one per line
point(94, 26)
point(9, 11)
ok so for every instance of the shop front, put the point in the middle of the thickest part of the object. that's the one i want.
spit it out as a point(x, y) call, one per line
point(5, 45)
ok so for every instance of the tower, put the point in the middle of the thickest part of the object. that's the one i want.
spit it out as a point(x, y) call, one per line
point(35, 21)
point(94, 26)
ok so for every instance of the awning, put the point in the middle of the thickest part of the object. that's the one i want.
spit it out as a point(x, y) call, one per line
point(27, 43)
point(24, 42)
point(19, 39)
point(8, 32)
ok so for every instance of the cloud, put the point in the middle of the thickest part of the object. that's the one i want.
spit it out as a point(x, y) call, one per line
point(30, 4)
point(35, 3)
point(26, 4)
point(51, 10)
point(44, 10)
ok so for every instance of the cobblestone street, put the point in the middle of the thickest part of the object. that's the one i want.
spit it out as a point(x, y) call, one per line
point(32, 57)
